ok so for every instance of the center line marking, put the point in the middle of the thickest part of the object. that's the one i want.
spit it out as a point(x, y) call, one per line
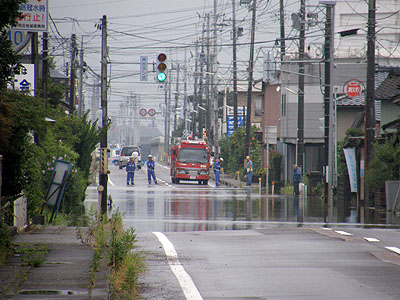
point(188, 287)
point(371, 239)
point(394, 249)
point(343, 232)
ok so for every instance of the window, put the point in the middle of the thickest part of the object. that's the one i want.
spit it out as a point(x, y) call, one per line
point(193, 155)
point(257, 108)
point(283, 105)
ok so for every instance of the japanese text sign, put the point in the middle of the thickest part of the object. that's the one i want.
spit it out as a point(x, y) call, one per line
point(35, 16)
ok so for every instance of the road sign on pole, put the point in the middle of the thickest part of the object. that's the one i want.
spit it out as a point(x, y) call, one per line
point(143, 112)
point(143, 68)
point(25, 81)
point(35, 16)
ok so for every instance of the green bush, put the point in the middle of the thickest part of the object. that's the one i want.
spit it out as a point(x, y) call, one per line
point(385, 165)
point(30, 146)
point(233, 151)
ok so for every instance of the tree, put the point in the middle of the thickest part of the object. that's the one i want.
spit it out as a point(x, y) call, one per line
point(20, 115)
point(9, 13)
point(386, 163)
point(233, 151)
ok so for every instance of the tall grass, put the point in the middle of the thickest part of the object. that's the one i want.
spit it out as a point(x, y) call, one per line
point(118, 246)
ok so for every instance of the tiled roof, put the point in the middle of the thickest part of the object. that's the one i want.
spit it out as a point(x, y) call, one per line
point(389, 88)
point(351, 101)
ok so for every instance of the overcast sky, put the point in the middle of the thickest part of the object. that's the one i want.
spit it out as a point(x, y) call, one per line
point(146, 28)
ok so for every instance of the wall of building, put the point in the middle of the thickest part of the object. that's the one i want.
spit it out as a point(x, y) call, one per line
point(345, 118)
point(352, 14)
point(389, 112)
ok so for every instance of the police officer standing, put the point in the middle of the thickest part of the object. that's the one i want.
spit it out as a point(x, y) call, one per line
point(130, 171)
point(150, 169)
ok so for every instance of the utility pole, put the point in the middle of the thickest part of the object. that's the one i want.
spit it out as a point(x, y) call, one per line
point(103, 178)
point(300, 94)
point(176, 97)
point(81, 104)
point(201, 87)
point(169, 114)
point(328, 111)
point(35, 60)
point(72, 75)
point(214, 71)
point(185, 104)
point(208, 60)
point(195, 96)
point(166, 133)
point(45, 67)
point(234, 65)
point(250, 83)
point(370, 100)
point(282, 23)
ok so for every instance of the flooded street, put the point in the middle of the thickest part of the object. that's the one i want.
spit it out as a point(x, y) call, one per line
point(188, 206)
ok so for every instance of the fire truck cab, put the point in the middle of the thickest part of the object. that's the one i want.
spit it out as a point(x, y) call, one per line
point(190, 160)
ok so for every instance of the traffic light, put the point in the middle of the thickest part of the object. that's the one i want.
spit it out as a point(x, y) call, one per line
point(204, 133)
point(161, 67)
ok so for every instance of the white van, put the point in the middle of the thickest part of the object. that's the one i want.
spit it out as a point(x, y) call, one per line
point(126, 152)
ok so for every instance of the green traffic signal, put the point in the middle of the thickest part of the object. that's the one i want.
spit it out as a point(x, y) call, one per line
point(161, 77)
point(161, 67)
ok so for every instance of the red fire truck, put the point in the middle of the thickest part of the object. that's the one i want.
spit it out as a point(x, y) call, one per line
point(190, 160)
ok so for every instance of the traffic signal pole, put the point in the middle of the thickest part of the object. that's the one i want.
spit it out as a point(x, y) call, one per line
point(103, 176)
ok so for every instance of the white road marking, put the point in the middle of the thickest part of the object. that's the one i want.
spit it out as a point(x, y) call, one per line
point(343, 232)
point(371, 239)
point(188, 287)
point(109, 180)
point(325, 228)
point(394, 249)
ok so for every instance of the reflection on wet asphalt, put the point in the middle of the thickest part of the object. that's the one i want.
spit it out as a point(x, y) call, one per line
point(193, 208)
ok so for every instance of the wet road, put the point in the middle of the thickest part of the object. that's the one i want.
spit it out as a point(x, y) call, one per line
point(188, 206)
point(223, 243)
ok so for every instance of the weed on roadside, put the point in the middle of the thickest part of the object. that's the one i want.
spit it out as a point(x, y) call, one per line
point(32, 255)
point(111, 241)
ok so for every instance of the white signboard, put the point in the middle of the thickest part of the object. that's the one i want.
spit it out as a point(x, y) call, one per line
point(230, 111)
point(271, 135)
point(16, 37)
point(25, 81)
point(143, 68)
point(350, 155)
point(35, 16)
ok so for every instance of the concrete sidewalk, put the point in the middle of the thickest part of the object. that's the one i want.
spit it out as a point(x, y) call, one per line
point(65, 273)
point(229, 180)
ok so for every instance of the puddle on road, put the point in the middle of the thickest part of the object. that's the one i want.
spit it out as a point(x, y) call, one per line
point(50, 292)
point(195, 209)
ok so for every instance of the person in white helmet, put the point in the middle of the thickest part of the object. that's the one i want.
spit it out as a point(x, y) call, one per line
point(217, 170)
point(150, 169)
point(130, 171)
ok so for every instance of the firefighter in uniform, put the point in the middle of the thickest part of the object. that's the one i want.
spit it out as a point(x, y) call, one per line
point(130, 171)
point(217, 170)
point(150, 169)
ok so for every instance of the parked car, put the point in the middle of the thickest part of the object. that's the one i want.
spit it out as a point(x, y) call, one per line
point(115, 153)
point(126, 152)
